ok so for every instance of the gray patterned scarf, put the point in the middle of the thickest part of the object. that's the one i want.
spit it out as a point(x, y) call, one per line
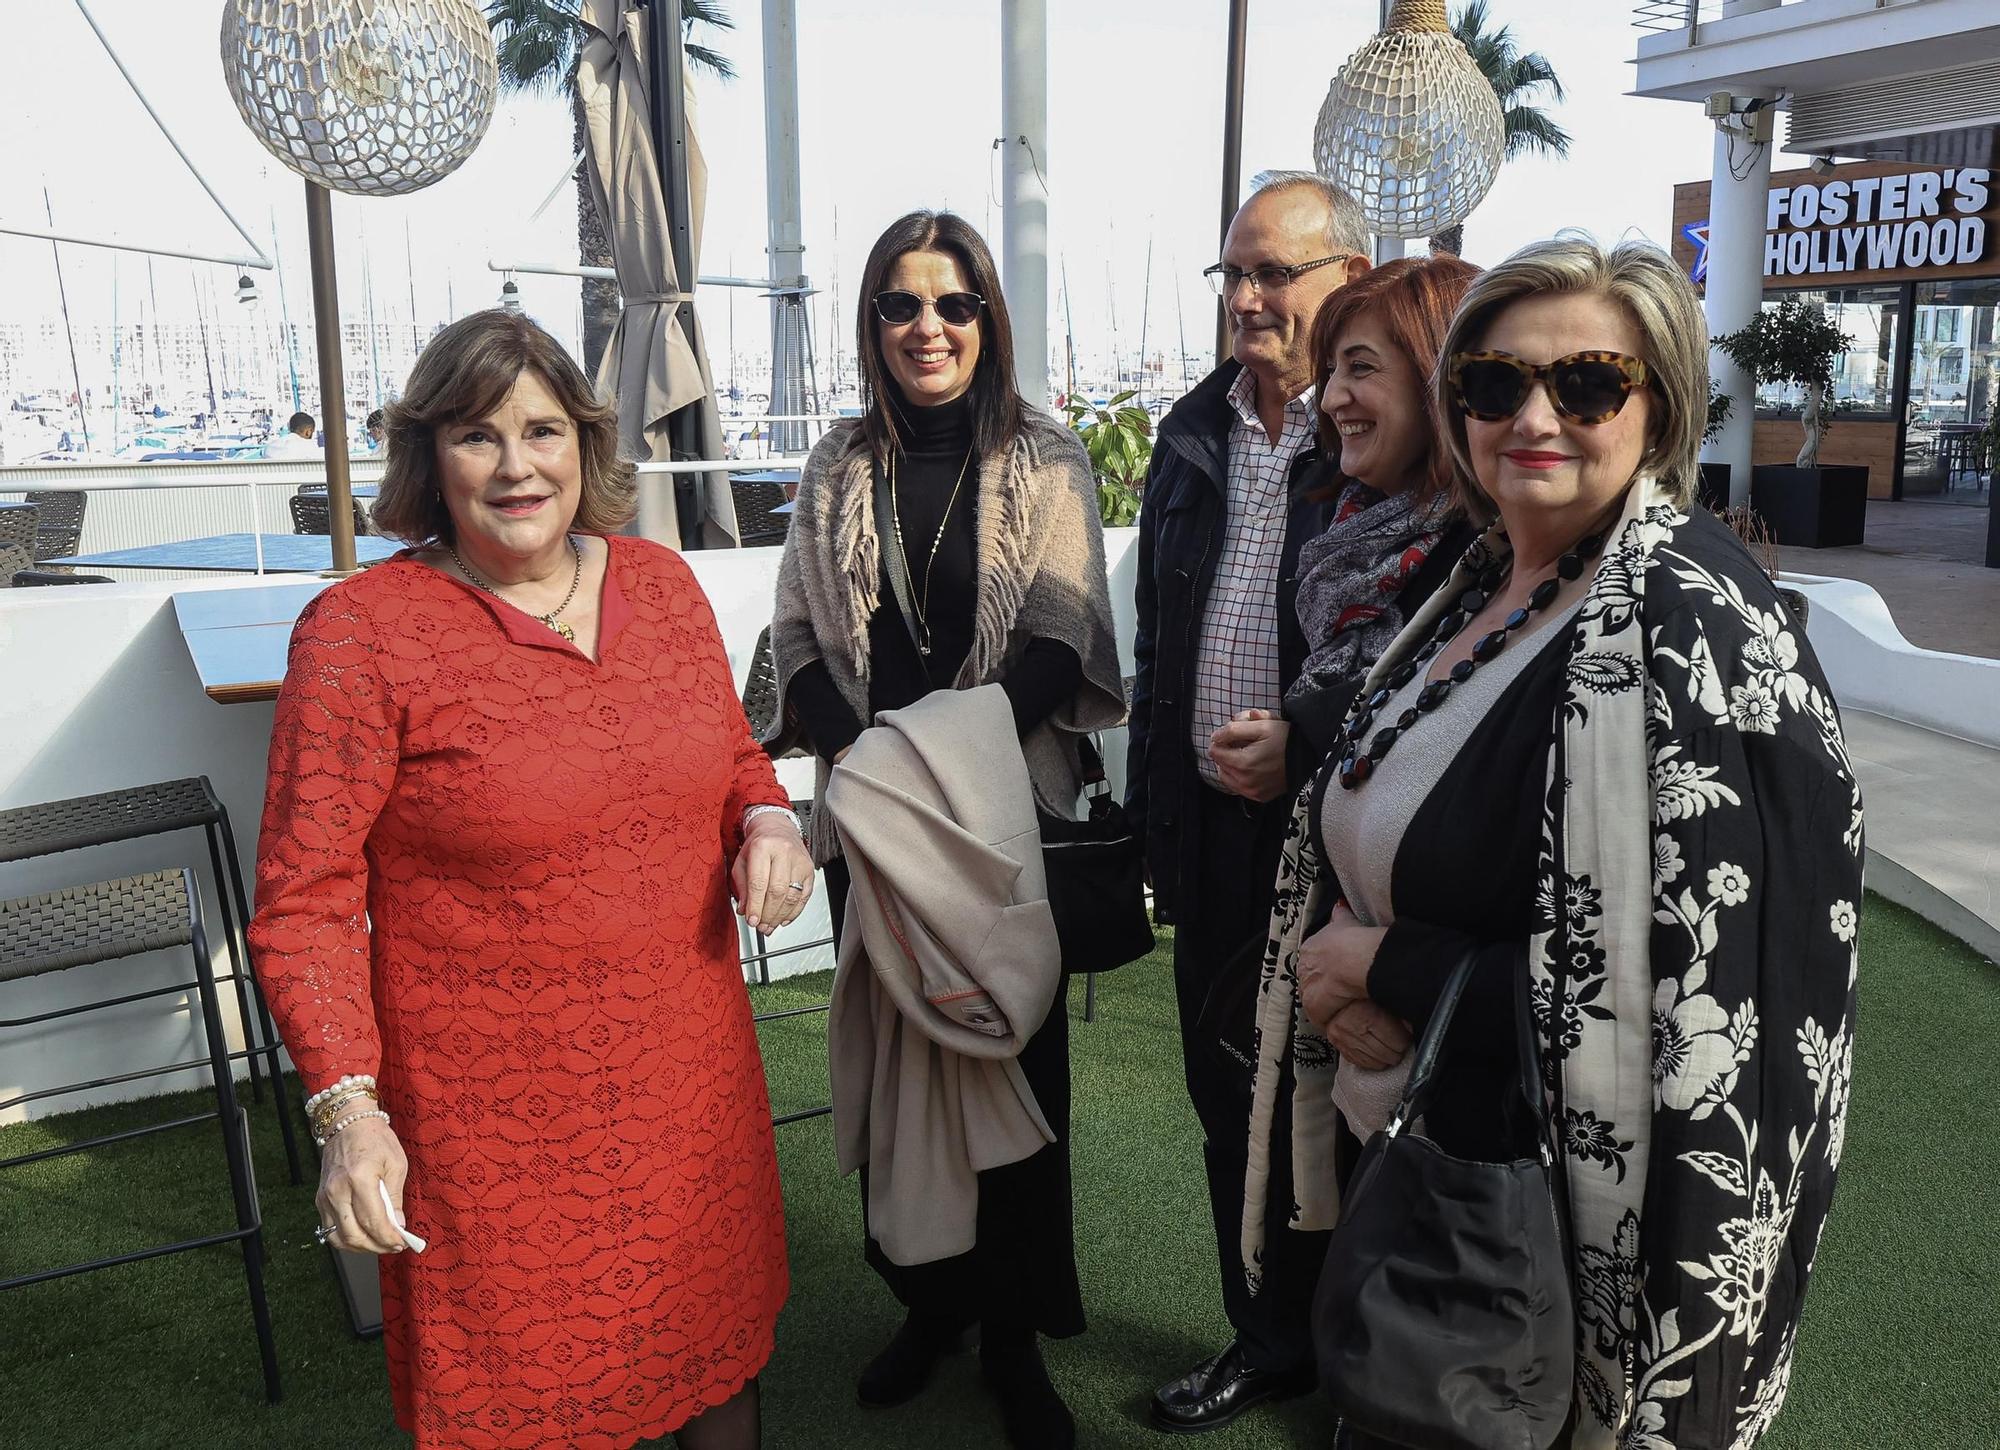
point(1351, 575)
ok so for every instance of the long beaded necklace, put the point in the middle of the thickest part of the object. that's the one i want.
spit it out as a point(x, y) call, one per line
point(548, 619)
point(1357, 764)
point(921, 602)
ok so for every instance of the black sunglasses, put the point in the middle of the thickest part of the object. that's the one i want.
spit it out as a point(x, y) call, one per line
point(954, 308)
point(1586, 387)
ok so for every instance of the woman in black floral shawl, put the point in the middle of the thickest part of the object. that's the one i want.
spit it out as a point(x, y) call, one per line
point(1603, 760)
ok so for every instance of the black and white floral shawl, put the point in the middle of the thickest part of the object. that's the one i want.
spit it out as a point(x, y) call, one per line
point(1693, 981)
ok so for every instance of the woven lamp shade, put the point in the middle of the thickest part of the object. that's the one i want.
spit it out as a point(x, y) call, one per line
point(1411, 129)
point(370, 97)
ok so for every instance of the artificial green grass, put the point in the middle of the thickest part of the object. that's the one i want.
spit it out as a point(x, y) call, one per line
point(1895, 1350)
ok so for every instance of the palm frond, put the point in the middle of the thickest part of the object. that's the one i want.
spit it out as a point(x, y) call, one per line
point(536, 41)
point(706, 12)
point(700, 57)
point(1524, 73)
point(1514, 74)
point(1528, 128)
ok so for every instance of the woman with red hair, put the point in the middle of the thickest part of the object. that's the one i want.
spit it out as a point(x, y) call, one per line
point(1395, 534)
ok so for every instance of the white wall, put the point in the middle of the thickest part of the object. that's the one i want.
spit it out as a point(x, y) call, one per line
point(97, 692)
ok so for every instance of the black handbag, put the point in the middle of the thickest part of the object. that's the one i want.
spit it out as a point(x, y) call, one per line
point(1097, 879)
point(1443, 1318)
point(1095, 866)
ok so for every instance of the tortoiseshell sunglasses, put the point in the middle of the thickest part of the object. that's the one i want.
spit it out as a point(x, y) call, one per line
point(1586, 387)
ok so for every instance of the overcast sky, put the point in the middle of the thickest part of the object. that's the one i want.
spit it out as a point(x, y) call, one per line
point(899, 105)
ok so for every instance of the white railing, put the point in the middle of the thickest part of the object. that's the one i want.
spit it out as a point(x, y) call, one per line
point(133, 506)
point(1662, 16)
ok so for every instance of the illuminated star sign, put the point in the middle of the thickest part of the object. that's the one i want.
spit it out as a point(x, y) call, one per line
point(1697, 234)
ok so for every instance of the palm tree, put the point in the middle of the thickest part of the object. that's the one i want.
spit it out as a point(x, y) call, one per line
point(1512, 74)
point(539, 43)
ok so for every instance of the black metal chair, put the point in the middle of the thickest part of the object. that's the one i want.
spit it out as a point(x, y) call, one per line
point(59, 522)
point(17, 540)
point(756, 525)
point(313, 514)
point(103, 922)
point(760, 688)
point(51, 827)
point(31, 578)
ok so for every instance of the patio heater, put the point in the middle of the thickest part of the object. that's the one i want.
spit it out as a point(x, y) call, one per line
point(1410, 127)
point(367, 97)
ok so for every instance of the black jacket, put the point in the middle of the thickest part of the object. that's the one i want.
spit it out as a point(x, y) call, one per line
point(1180, 539)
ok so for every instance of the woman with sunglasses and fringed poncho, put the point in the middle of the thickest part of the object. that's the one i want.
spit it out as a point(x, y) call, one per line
point(994, 508)
point(1604, 765)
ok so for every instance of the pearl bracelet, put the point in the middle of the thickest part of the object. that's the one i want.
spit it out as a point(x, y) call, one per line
point(327, 1111)
point(752, 812)
point(352, 1080)
point(321, 1141)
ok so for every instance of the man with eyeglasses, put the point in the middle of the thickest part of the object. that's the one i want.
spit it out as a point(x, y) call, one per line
point(1229, 500)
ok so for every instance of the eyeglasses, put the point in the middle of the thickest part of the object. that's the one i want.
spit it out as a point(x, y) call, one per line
point(954, 308)
point(1273, 277)
point(1586, 387)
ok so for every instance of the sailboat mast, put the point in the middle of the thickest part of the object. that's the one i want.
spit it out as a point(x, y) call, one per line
point(155, 382)
point(1181, 312)
point(62, 291)
point(285, 314)
point(374, 335)
point(1069, 335)
point(117, 356)
point(201, 318)
point(1145, 317)
point(410, 277)
point(839, 376)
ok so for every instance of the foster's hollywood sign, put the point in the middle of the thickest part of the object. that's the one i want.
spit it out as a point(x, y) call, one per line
point(1877, 223)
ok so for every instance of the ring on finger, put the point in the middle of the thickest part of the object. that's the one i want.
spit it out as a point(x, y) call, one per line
point(322, 1233)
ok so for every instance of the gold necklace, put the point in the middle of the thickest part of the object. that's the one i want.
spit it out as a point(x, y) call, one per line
point(549, 619)
point(922, 605)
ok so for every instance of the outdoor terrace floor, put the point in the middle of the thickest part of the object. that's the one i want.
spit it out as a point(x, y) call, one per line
point(1895, 1350)
point(1926, 560)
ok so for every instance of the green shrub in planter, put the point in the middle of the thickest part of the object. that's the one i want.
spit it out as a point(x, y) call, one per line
point(1119, 439)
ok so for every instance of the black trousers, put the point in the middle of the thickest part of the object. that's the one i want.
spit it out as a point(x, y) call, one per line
point(1021, 1271)
point(1221, 912)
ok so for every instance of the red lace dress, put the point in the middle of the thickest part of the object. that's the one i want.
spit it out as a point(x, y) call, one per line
point(551, 994)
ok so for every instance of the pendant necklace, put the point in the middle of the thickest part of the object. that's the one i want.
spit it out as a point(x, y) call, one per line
point(549, 619)
point(921, 603)
point(1358, 762)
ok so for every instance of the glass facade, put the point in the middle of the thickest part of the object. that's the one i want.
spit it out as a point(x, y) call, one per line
point(1864, 380)
point(1954, 380)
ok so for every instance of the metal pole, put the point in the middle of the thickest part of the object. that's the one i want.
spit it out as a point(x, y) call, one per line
point(786, 265)
point(332, 380)
point(1388, 249)
point(1232, 151)
point(1024, 215)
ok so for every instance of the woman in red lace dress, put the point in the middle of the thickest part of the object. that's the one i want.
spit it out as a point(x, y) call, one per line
point(515, 752)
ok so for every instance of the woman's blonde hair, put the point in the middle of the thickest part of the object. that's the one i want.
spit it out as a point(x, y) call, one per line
point(466, 372)
point(1641, 279)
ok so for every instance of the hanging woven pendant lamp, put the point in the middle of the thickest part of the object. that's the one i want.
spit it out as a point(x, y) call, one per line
point(370, 97)
point(1411, 129)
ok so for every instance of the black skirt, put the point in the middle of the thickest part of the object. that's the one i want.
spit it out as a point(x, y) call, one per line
point(1021, 1270)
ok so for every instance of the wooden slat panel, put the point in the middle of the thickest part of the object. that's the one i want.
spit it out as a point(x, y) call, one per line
point(1870, 444)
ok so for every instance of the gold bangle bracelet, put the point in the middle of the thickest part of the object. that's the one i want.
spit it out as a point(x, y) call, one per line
point(327, 1111)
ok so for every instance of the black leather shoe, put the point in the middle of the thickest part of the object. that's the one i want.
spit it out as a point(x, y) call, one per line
point(1219, 1389)
point(904, 1366)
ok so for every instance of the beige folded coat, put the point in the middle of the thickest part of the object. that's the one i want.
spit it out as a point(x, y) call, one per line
point(948, 964)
